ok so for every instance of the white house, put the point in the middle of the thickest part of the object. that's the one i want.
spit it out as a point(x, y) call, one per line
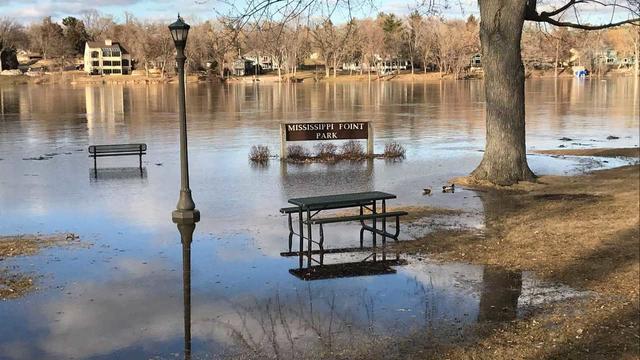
point(106, 58)
point(266, 62)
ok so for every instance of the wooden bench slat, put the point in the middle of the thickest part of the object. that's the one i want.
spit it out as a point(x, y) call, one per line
point(356, 217)
point(117, 148)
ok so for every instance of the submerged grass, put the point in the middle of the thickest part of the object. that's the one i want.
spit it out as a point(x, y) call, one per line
point(15, 284)
point(259, 153)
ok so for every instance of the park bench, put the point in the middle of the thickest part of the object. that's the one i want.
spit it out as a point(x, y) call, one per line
point(96, 151)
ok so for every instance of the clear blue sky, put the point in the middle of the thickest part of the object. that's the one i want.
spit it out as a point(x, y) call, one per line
point(27, 11)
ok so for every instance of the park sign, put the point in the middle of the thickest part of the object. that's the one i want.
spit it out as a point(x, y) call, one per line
point(326, 131)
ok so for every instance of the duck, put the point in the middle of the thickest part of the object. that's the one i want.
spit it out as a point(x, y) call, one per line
point(449, 188)
point(426, 191)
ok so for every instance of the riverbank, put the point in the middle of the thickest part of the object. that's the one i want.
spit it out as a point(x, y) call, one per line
point(80, 77)
point(582, 231)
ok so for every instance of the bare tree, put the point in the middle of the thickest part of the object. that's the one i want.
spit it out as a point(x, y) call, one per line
point(371, 39)
point(12, 35)
point(504, 161)
point(332, 43)
point(97, 24)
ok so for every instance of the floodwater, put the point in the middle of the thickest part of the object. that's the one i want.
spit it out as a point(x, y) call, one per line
point(123, 297)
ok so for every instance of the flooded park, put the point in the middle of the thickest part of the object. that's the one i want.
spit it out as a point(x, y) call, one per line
point(118, 286)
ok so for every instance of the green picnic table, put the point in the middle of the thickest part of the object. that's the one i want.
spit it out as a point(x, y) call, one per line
point(308, 209)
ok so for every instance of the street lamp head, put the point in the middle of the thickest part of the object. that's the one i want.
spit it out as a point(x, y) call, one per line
point(179, 31)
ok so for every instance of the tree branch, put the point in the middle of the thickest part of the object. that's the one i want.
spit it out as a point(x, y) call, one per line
point(555, 22)
point(531, 14)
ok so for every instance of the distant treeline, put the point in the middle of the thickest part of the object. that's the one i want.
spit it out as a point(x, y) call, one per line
point(420, 43)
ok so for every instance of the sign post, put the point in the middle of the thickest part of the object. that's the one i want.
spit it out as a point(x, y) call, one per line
point(352, 130)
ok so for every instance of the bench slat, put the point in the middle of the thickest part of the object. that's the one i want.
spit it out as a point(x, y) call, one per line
point(357, 217)
point(116, 154)
point(117, 148)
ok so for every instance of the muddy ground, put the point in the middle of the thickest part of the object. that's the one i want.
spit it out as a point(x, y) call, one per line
point(583, 231)
point(604, 152)
point(14, 284)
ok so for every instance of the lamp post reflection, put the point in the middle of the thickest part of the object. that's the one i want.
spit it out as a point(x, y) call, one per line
point(186, 230)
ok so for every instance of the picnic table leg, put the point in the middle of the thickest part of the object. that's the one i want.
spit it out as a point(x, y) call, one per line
point(362, 228)
point(301, 245)
point(309, 236)
point(95, 166)
point(321, 245)
point(375, 211)
point(384, 224)
point(290, 223)
point(140, 160)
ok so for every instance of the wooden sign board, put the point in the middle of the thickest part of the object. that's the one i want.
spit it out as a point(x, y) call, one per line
point(323, 131)
point(326, 131)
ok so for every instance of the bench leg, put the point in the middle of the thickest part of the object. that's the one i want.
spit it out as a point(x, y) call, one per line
point(95, 166)
point(140, 161)
point(290, 231)
point(375, 211)
point(321, 243)
point(361, 229)
point(301, 244)
point(384, 225)
point(309, 236)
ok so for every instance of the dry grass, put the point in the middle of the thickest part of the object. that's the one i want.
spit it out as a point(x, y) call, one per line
point(297, 153)
point(326, 151)
point(620, 152)
point(12, 284)
point(394, 150)
point(583, 231)
point(259, 153)
point(352, 150)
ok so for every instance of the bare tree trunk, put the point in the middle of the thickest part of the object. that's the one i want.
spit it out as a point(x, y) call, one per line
point(636, 65)
point(555, 67)
point(326, 69)
point(504, 161)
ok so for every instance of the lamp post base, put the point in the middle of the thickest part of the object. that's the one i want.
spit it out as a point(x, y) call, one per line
point(185, 216)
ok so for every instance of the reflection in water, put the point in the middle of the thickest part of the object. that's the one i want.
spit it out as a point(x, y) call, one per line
point(122, 173)
point(500, 292)
point(320, 179)
point(186, 236)
point(372, 263)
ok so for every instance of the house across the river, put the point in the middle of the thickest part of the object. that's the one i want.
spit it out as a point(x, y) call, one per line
point(106, 58)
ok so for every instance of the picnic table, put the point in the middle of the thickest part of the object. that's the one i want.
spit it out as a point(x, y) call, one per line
point(308, 209)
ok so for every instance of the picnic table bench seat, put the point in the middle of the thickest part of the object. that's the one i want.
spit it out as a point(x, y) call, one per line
point(336, 219)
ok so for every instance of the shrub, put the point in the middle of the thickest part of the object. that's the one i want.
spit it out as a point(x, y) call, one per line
point(259, 153)
point(352, 150)
point(326, 150)
point(394, 150)
point(297, 152)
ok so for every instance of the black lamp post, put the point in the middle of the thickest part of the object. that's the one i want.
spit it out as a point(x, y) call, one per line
point(186, 209)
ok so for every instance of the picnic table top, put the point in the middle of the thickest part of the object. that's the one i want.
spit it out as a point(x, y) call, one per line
point(346, 200)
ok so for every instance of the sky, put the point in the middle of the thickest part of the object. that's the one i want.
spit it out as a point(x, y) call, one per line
point(28, 11)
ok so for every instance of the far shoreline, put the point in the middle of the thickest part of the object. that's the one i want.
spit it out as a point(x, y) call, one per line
point(79, 77)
